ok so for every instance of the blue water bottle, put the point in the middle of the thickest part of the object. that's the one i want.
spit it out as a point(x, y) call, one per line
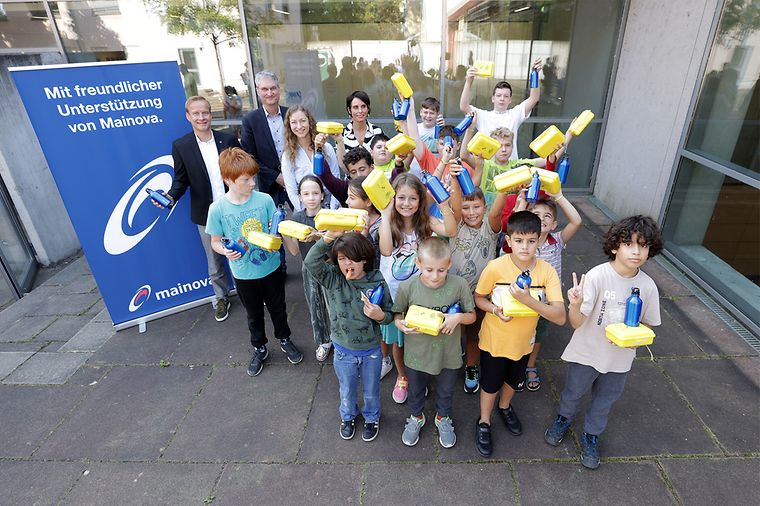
point(534, 78)
point(563, 169)
point(523, 280)
point(396, 109)
point(376, 294)
point(319, 163)
point(448, 141)
point(159, 198)
point(233, 246)
point(633, 308)
point(463, 125)
point(535, 186)
point(437, 130)
point(465, 181)
point(454, 308)
point(435, 187)
point(277, 217)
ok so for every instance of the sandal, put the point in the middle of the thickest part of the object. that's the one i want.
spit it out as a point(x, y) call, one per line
point(532, 384)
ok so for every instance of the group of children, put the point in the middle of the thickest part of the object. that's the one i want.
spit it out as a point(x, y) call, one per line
point(441, 256)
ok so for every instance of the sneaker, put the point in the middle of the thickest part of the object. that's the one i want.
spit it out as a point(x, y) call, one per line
point(399, 390)
point(483, 439)
point(289, 349)
point(323, 351)
point(257, 361)
point(471, 379)
point(386, 367)
point(347, 429)
point(222, 310)
point(370, 431)
point(412, 430)
point(509, 417)
point(556, 432)
point(590, 451)
point(446, 435)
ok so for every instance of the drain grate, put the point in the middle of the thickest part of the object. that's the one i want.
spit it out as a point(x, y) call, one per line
point(708, 301)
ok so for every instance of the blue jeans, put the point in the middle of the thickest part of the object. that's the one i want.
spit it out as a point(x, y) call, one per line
point(605, 390)
point(348, 369)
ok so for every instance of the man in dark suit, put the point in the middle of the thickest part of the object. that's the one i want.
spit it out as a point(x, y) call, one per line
point(196, 164)
point(263, 137)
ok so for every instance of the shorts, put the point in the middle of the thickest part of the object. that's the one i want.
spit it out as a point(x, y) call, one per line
point(542, 329)
point(495, 371)
point(392, 335)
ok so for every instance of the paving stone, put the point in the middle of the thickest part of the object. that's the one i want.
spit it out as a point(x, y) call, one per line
point(642, 421)
point(322, 441)
point(144, 483)
point(29, 414)
point(71, 304)
point(75, 269)
point(724, 398)
point(129, 415)
point(103, 315)
point(590, 213)
point(476, 483)
point(695, 480)
point(9, 360)
point(267, 423)
point(25, 346)
point(584, 243)
point(670, 338)
point(63, 328)
point(667, 285)
point(25, 328)
point(46, 368)
point(27, 305)
point(97, 309)
point(81, 284)
point(88, 376)
point(90, 338)
point(619, 483)
point(36, 482)
point(212, 342)
point(312, 484)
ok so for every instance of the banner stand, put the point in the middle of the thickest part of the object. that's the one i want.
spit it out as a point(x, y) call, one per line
point(142, 322)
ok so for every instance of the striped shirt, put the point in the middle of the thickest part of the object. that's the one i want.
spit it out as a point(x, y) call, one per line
point(551, 252)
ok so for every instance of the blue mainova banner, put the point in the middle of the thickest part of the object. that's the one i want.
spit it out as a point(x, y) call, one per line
point(106, 131)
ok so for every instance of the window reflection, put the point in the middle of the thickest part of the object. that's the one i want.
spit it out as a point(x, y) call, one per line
point(25, 25)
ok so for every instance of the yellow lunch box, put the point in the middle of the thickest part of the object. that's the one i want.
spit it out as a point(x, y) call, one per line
point(294, 229)
point(511, 306)
point(427, 321)
point(481, 144)
point(402, 85)
point(549, 180)
point(484, 68)
point(629, 337)
point(264, 241)
point(341, 219)
point(512, 179)
point(401, 144)
point(378, 188)
point(545, 144)
point(329, 127)
point(581, 122)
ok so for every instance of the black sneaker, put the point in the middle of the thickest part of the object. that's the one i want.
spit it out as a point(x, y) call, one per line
point(222, 310)
point(347, 429)
point(289, 349)
point(257, 361)
point(589, 451)
point(509, 417)
point(483, 439)
point(370, 431)
point(556, 432)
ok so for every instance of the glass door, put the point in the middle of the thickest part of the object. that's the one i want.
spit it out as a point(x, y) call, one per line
point(17, 263)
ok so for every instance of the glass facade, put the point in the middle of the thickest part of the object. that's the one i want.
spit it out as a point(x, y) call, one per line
point(712, 223)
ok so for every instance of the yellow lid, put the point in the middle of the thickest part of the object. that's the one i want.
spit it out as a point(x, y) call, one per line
point(484, 68)
point(549, 180)
point(378, 188)
point(629, 337)
point(341, 219)
point(294, 229)
point(512, 179)
point(402, 85)
point(329, 127)
point(264, 241)
point(581, 122)
point(401, 144)
point(481, 144)
point(427, 321)
point(546, 143)
point(510, 306)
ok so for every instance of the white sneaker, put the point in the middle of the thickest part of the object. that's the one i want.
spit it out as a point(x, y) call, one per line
point(386, 367)
point(323, 350)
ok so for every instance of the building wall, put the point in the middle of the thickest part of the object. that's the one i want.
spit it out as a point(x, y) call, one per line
point(25, 172)
point(663, 48)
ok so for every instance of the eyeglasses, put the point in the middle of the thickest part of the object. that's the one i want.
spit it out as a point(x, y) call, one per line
point(268, 90)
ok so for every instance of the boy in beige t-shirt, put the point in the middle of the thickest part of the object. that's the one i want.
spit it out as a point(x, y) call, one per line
point(594, 363)
point(506, 342)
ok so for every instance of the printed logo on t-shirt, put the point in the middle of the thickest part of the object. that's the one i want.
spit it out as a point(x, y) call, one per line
point(257, 255)
point(403, 261)
point(611, 310)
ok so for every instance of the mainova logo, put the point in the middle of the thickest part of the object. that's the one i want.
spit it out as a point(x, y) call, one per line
point(119, 236)
point(141, 295)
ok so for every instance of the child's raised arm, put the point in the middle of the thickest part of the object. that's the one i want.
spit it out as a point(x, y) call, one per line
point(384, 233)
point(409, 127)
point(466, 98)
point(494, 215)
point(449, 226)
point(574, 219)
point(291, 244)
point(535, 93)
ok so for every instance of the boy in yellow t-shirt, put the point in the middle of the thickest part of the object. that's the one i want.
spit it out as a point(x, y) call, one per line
point(506, 342)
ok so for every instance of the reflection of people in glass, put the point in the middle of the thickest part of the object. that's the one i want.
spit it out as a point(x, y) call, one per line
point(233, 104)
point(359, 131)
point(501, 115)
point(331, 92)
point(189, 81)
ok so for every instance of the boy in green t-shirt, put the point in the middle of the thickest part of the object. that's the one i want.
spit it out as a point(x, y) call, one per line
point(429, 356)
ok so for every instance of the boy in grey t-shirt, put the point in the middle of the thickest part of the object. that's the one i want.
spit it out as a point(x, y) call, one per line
point(594, 363)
